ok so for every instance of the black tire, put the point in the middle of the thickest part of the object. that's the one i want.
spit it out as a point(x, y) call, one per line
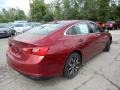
point(107, 48)
point(72, 65)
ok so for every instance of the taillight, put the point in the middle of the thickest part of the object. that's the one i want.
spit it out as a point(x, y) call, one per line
point(41, 51)
point(111, 25)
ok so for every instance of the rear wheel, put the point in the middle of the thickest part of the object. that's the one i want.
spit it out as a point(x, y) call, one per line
point(72, 65)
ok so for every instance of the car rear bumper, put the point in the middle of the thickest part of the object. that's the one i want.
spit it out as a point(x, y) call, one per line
point(40, 68)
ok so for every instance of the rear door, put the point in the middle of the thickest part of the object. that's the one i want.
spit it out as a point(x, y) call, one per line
point(88, 40)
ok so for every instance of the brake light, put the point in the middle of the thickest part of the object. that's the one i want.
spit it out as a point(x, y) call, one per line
point(41, 51)
point(111, 25)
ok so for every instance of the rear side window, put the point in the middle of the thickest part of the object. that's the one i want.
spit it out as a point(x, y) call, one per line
point(45, 29)
point(71, 31)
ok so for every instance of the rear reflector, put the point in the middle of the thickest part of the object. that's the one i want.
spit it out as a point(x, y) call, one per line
point(41, 51)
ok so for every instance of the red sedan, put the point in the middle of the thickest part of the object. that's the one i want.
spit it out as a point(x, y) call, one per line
point(57, 48)
point(112, 25)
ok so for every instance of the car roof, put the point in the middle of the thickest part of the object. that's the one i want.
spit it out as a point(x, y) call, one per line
point(70, 21)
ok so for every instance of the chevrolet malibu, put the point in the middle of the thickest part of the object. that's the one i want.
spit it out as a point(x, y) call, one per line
point(57, 48)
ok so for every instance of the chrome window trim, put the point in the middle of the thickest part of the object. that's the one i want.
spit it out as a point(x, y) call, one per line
point(74, 34)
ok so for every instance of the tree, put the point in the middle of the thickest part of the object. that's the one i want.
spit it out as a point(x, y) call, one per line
point(118, 12)
point(103, 10)
point(90, 10)
point(49, 15)
point(38, 10)
point(100, 10)
point(20, 14)
point(12, 14)
point(57, 12)
point(114, 12)
point(71, 9)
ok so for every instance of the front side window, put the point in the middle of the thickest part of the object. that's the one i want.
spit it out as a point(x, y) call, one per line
point(94, 28)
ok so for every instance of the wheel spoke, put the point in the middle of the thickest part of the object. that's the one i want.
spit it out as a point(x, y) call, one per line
point(72, 61)
point(76, 70)
point(70, 72)
point(76, 67)
point(70, 64)
point(73, 72)
point(75, 58)
point(77, 63)
point(70, 68)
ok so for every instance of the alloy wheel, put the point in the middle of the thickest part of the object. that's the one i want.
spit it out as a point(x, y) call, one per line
point(74, 65)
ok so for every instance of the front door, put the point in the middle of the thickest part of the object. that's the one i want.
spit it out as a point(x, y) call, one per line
point(101, 38)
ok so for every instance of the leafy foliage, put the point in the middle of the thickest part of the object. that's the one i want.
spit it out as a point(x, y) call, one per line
point(40, 11)
point(11, 15)
point(101, 10)
point(98, 10)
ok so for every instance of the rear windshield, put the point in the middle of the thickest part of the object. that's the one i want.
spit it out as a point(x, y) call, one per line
point(45, 29)
point(3, 26)
point(19, 25)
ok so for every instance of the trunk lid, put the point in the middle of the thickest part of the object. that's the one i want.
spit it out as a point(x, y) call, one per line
point(16, 45)
point(29, 38)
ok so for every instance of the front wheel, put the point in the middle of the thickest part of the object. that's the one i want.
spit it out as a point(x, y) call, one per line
point(107, 48)
point(72, 65)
